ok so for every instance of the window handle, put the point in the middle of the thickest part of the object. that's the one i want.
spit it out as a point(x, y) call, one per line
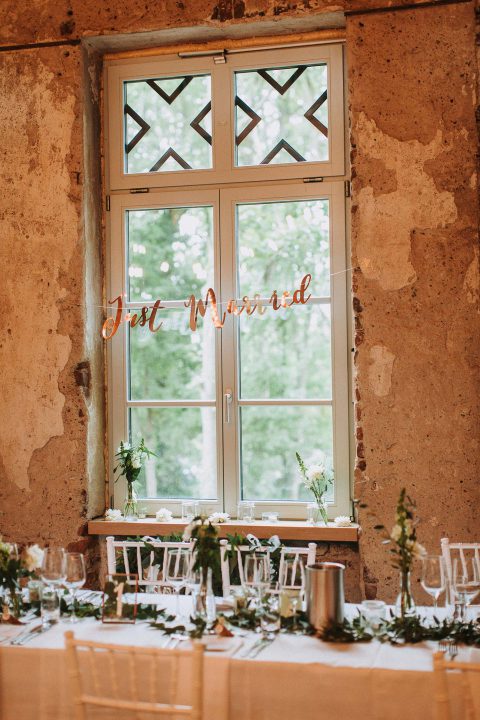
point(228, 398)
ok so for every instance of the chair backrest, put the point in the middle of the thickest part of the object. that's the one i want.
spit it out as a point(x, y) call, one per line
point(459, 549)
point(305, 553)
point(150, 576)
point(133, 678)
point(241, 552)
point(470, 680)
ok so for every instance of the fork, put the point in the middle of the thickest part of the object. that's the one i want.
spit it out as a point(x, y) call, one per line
point(449, 646)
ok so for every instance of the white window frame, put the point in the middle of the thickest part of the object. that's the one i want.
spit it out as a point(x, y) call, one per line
point(222, 187)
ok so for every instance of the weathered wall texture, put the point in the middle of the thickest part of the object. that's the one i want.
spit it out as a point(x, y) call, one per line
point(412, 96)
point(43, 481)
point(414, 239)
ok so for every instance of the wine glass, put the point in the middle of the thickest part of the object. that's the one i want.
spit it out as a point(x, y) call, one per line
point(75, 577)
point(292, 584)
point(257, 572)
point(177, 571)
point(466, 582)
point(52, 571)
point(433, 577)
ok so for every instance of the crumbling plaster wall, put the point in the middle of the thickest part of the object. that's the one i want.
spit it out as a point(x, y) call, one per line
point(414, 244)
point(412, 98)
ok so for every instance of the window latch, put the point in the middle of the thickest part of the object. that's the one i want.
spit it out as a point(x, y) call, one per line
point(228, 398)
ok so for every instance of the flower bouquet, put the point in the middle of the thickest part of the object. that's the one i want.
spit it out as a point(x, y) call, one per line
point(130, 462)
point(404, 549)
point(13, 567)
point(317, 478)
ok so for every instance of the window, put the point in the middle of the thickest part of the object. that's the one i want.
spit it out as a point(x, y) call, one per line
point(214, 173)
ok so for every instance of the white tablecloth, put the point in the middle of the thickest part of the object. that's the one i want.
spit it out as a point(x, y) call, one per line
point(296, 677)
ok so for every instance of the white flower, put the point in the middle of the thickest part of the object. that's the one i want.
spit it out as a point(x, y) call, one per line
point(32, 557)
point(126, 446)
point(136, 461)
point(417, 550)
point(342, 521)
point(187, 533)
point(316, 472)
point(6, 548)
point(113, 514)
point(164, 515)
point(217, 517)
point(396, 533)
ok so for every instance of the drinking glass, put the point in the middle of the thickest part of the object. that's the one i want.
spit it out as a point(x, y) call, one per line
point(52, 571)
point(178, 569)
point(49, 606)
point(246, 511)
point(190, 509)
point(257, 572)
point(270, 617)
point(75, 577)
point(292, 584)
point(433, 577)
point(466, 582)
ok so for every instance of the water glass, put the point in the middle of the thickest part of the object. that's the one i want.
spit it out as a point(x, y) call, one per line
point(292, 586)
point(270, 517)
point(246, 511)
point(75, 577)
point(50, 606)
point(190, 509)
point(270, 617)
point(433, 577)
point(374, 612)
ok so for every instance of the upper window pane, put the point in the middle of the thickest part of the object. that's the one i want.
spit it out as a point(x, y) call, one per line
point(167, 124)
point(281, 115)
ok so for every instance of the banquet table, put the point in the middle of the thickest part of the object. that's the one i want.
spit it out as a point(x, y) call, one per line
point(294, 677)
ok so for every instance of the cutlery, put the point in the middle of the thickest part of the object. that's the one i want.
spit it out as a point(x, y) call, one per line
point(27, 635)
point(251, 648)
point(237, 648)
point(261, 646)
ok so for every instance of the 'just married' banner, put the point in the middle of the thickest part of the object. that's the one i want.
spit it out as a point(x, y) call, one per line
point(148, 314)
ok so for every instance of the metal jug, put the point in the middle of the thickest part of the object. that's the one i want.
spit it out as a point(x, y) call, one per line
point(324, 592)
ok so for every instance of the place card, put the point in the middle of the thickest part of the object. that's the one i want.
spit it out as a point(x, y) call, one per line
point(119, 604)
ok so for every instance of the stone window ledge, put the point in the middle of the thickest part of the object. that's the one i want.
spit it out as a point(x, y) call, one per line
point(286, 529)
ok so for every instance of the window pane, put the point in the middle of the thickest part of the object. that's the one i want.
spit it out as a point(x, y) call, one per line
point(298, 361)
point(270, 438)
point(170, 253)
point(280, 242)
point(184, 441)
point(173, 363)
point(281, 115)
point(167, 124)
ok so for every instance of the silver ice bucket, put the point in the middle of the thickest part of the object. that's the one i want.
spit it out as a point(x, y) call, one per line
point(324, 592)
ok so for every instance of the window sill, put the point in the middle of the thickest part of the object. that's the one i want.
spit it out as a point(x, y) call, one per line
point(286, 529)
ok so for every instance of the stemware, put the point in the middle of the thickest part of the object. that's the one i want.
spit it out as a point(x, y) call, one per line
point(177, 571)
point(292, 584)
point(75, 577)
point(257, 573)
point(52, 572)
point(466, 582)
point(433, 577)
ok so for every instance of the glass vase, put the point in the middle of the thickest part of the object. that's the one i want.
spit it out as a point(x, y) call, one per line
point(203, 597)
point(130, 509)
point(317, 513)
point(405, 605)
point(12, 603)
